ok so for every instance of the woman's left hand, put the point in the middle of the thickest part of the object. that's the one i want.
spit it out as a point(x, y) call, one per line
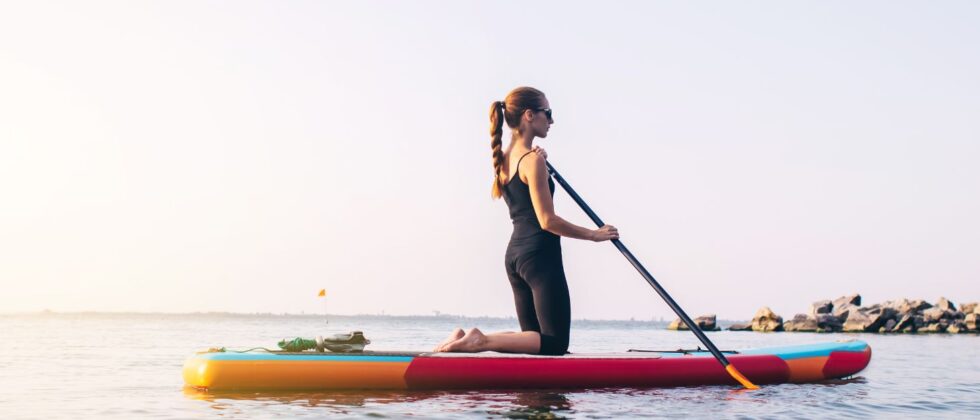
point(540, 151)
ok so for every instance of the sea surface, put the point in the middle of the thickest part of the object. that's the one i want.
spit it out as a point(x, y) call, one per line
point(71, 366)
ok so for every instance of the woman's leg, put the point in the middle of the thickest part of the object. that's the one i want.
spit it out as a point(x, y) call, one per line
point(526, 341)
point(505, 342)
point(543, 307)
point(545, 274)
point(523, 298)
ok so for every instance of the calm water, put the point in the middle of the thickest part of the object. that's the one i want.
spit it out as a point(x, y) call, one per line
point(128, 366)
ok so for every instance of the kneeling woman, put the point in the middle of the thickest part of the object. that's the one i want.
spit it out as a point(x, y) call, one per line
point(533, 258)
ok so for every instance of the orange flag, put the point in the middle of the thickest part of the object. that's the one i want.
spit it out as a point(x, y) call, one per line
point(323, 292)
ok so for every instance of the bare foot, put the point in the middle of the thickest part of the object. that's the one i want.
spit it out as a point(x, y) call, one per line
point(453, 336)
point(473, 341)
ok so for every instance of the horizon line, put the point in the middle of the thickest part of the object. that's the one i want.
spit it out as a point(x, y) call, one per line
point(290, 314)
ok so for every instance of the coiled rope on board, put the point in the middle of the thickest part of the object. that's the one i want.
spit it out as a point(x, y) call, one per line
point(352, 342)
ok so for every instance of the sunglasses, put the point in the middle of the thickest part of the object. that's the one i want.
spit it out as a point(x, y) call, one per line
point(547, 112)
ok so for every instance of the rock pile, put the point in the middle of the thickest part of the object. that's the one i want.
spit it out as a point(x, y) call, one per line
point(765, 320)
point(845, 314)
point(705, 323)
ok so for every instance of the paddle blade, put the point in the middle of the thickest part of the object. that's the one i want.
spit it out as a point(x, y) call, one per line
point(740, 378)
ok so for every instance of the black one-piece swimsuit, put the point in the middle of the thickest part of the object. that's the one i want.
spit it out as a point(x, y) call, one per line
point(535, 270)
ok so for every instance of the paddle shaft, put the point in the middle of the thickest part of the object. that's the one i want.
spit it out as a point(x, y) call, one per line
point(639, 267)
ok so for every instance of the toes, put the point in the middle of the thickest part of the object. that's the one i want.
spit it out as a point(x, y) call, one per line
point(461, 341)
point(456, 346)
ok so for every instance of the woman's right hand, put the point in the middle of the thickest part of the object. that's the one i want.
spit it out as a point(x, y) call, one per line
point(605, 233)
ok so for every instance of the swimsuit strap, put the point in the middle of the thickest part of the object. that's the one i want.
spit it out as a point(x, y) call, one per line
point(517, 173)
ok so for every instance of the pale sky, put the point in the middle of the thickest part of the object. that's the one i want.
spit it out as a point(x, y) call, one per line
point(240, 156)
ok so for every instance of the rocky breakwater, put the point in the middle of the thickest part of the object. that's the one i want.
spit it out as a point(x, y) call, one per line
point(765, 320)
point(845, 314)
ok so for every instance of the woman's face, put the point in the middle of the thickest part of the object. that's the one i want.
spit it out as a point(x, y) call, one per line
point(539, 120)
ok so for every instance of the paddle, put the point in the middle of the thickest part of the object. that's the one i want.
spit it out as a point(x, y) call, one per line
point(656, 286)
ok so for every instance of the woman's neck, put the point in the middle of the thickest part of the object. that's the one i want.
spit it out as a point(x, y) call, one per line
point(519, 140)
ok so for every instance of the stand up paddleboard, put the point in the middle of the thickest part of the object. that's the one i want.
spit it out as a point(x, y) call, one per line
point(375, 370)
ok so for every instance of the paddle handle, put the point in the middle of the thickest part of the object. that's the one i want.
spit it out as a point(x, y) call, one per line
point(653, 282)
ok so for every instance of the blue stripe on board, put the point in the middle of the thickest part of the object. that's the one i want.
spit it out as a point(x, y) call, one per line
point(316, 358)
point(810, 350)
point(790, 352)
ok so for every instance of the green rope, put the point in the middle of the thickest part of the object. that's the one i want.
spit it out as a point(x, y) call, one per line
point(297, 344)
point(353, 342)
point(227, 350)
point(251, 349)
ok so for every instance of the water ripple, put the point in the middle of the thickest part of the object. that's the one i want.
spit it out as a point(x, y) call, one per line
point(128, 366)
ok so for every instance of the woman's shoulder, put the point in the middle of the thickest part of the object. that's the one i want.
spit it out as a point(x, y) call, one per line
point(530, 156)
point(532, 164)
point(534, 157)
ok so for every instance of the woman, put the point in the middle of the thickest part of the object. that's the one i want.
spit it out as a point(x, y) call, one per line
point(533, 258)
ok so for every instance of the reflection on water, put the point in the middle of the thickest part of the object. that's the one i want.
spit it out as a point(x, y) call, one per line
point(545, 403)
point(311, 399)
point(540, 405)
point(510, 404)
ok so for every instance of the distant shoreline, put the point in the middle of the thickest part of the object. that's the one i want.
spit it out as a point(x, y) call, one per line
point(658, 322)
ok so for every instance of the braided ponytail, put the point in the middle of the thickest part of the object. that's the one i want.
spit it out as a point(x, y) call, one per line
point(509, 110)
point(496, 132)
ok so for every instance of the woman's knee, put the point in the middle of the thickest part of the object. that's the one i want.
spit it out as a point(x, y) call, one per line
point(553, 345)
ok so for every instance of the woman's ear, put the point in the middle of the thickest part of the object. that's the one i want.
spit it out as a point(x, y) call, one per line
point(528, 115)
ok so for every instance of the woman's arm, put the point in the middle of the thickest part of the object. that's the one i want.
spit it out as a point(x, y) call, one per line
point(537, 180)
